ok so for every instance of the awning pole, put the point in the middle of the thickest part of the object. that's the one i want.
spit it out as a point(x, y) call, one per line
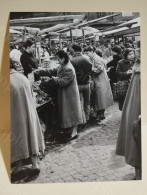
point(24, 35)
point(83, 36)
point(71, 36)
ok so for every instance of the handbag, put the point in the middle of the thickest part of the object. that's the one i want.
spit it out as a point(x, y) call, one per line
point(120, 89)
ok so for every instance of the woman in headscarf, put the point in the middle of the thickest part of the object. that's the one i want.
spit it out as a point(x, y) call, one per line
point(26, 134)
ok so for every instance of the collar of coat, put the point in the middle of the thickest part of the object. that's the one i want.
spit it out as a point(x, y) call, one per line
point(63, 67)
point(12, 71)
point(94, 55)
point(78, 54)
point(129, 62)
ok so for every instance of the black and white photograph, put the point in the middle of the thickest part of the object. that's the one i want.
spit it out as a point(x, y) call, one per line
point(75, 97)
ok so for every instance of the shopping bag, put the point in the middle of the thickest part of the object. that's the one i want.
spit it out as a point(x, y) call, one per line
point(120, 89)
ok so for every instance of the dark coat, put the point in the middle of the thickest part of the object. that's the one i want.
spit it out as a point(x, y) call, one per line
point(83, 68)
point(28, 62)
point(122, 67)
point(112, 73)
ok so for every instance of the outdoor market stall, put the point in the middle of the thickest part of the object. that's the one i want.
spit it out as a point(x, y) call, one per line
point(54, 37)
point(127, 29)
point(45, 99)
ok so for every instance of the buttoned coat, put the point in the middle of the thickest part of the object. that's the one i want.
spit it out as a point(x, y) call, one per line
point(69, 109)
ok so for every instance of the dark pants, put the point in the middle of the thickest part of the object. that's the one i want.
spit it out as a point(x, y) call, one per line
point(85, 94)
point(121, 103)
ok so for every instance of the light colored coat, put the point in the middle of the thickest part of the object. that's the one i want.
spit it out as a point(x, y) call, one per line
point(69, 108)
point(103, 93)
point(26, 133)
point(68, 97)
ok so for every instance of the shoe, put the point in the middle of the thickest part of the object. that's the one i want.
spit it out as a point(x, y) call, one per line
point(99, 123)
point(34, 172)
point(102, 117)
point(15, 176)
point(81, 127)
point(32, 175)
point(98, 118)
point(72, 137)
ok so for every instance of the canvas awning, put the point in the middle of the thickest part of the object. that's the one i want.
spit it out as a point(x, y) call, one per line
point(44, 22)
point(28, 29)
point(11, 31)
point(79, 32)
point(130, 27)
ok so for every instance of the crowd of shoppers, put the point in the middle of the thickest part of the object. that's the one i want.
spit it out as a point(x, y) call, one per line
point(84, 81)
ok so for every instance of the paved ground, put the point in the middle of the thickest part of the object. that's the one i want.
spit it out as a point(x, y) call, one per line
point(89, 158)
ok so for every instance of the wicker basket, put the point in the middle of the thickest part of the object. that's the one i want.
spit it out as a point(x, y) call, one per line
point(120, 89)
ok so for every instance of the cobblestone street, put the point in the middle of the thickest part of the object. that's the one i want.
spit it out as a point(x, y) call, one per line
point(91, 157)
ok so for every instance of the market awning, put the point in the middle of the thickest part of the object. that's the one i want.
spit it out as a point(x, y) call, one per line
point(28, 29)
point(59, 27)
point(128, 32)
point(115, 31)
point(54, 28)
point(135, 22)
point(90, 22)
point(11, 31)
point(79, 32)
point(130, 27)
point(44, 22)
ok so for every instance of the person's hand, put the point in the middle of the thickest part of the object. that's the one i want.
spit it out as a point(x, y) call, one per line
point(108, 69)
point(137, 69)
point(36, 75)
point(111, 67)
point(36, 71)
point(129, 71)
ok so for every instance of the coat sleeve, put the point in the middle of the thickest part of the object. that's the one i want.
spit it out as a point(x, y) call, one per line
point(48, 72)
point(98, 67)
point(111, 63)
point(34, 62)
point(26, 63)
point(65, 79)
point(120, 72)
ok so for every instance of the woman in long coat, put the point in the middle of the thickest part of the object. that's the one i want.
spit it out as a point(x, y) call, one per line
point(126, 145)
point(69, 109)
point(124, 70)
point(103, 93)
point(26, 133)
